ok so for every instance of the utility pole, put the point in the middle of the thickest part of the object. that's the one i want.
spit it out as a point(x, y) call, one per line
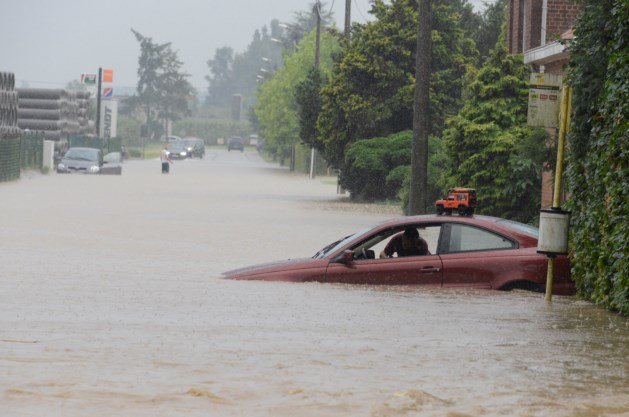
point(348, 18)
point(98, 92)
point(317, 10)
point(318, 38)
point(421, 113)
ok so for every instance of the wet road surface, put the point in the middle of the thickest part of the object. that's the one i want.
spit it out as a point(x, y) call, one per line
point(112, 303)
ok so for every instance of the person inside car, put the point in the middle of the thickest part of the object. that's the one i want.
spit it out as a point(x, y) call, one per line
point(408, 243)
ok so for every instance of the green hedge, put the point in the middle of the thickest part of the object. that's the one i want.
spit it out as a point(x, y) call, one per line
point(379, 168)
point(368, 163)
point(598, 154)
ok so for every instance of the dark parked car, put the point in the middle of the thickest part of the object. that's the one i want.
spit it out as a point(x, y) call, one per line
point(195, 147)
point(82, 160)
point(236, 143)
point(178, 150)
point(472, 252)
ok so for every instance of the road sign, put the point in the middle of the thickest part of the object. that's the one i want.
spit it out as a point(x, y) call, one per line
point(544, 99)
point(108, 92)
point(109, 119)
point(108, 76)
point(88, 79)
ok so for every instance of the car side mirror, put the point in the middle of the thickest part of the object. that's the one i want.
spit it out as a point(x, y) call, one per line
point(347, 257)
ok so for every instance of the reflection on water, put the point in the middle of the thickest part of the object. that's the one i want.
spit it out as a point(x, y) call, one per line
point(111, 303)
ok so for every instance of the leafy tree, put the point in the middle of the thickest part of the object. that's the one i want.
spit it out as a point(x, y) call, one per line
point(489, 146)
point(221, 78)
point(369, 162)
point(75, 85)
point(277, 107)
point(308, 99)
point(371, 91)
point(379, 168)
point(598, 154)
point(486, 28)
point(304, 22)
point(238, 73)
point(163, 90)
point(242, 73)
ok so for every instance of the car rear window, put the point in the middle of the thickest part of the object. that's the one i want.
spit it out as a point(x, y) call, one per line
point(520, 227)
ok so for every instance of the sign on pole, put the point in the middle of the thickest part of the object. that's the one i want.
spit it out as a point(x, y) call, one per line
point(109, 119)
point(108, 76)
point(544, 100)
point(108, 92)
point(88, 79)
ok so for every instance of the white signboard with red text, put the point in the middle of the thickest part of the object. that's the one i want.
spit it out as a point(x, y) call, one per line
point(544, 100)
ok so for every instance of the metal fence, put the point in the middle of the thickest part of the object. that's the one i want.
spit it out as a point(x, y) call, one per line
point(111, 145)
point(9, 131)
point(32, 152)
point(10, 155)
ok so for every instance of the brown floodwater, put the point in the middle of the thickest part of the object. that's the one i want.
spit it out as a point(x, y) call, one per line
point(112, 304)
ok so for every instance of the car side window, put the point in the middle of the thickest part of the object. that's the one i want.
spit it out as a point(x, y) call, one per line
point(464, 238)
point(371, 247)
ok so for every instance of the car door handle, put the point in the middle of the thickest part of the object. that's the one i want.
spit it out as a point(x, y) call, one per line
point(429, 269)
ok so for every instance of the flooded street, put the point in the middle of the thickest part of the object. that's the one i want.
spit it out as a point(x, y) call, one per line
point(112, 304)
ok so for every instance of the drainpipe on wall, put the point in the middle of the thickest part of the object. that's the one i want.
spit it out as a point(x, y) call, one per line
point(542, 69)
point(544, 17)
point(524, 5)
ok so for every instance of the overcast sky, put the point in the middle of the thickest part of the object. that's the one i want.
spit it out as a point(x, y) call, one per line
point(48, 43)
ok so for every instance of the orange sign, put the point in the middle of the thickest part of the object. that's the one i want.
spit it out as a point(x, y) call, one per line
point(108, 76)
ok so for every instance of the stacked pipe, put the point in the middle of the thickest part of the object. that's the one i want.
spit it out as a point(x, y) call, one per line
point(56, 113)
point(8, 107)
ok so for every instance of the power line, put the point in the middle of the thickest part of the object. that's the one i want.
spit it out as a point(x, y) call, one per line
point(359, 11)
point(331, 7)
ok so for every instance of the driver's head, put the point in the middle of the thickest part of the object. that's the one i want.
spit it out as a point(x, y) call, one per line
point(410, 237)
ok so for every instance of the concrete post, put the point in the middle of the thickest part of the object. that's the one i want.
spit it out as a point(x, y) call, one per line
point(48, 154)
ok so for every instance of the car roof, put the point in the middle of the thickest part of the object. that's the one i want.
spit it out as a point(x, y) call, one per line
point(497, 224)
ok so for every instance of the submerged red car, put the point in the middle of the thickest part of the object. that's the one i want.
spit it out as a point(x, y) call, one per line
point(470, 252)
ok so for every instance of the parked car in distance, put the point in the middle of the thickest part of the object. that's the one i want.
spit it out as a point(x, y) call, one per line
point(236, 143)
point(178, 150)
point(463, 251)
point(253, 140)
point(81, 160)
point(173, 138)
point(195, 147)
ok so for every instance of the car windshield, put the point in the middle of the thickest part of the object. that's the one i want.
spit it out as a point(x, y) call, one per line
point(177, 147)
point(520, 227)
point(334, 246)
point(82, 154)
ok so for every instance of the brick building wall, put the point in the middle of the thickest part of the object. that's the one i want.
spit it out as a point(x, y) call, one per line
point(525, 22)
point(532, 24)
point(561, 17)
point(514, 32)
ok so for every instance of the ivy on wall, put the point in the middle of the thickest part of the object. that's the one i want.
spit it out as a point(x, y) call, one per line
point(597, 174)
